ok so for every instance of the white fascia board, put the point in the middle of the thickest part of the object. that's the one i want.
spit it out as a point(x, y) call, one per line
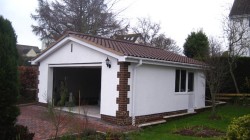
point(162, 63)
point(68, 39)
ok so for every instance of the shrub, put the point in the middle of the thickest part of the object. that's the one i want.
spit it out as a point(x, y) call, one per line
point(88, 132)
point(239, 128)
point(22, 133)
point(28, 81)
point(116, 136)
point(64, 94)
point(19, 132)
point(8, 78)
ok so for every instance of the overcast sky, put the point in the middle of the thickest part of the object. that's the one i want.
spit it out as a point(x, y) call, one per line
point(178, 18)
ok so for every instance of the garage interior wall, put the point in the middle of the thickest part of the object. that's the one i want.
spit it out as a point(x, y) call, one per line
point(85, 80)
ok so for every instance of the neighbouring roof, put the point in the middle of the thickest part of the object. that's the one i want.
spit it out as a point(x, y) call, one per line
point(126, 48)
point(129, 37)
point(24, 49)
point(240, 7)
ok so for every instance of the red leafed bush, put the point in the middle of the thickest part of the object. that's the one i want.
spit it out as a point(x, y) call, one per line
point(28, 80)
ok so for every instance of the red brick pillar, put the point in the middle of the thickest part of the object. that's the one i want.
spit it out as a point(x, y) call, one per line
point(122, 114)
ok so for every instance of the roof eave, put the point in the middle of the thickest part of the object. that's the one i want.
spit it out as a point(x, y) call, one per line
point(162, 62)
point(67, 39)
point(239, 16)
point(50, 50)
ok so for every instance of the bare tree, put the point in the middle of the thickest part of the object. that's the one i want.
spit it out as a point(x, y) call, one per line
point(150, 35)
point(215, 70)
point(147, 29)
point(236, 30)
point(165, 43)
point(86, 16)
point(59, 118)
point(214, 47)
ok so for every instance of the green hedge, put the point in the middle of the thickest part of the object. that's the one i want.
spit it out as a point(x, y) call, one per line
point(28, 83)
point(242, 72)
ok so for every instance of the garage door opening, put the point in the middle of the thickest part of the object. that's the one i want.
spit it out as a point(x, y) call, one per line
point(77, 89)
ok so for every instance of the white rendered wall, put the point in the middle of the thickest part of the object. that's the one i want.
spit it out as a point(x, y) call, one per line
point(130, 92)
point(242, 23)
point(81, 54)
point(200, 84)
point(246, 23)
point(109, 91)
point(155, 91)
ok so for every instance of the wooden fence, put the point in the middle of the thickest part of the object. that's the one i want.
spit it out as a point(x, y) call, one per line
point(232, 96)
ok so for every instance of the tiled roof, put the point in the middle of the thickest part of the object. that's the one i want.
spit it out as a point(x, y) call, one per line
point(126, 48)
point(240, 7)
point(129, 37)
point(26, 48)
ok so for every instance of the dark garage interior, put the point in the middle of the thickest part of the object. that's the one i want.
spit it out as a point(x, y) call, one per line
point(67, 82)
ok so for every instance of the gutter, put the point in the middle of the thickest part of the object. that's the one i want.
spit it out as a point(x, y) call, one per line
point(133, 91)
point(163, 62)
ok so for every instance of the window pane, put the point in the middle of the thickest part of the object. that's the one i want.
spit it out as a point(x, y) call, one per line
point(190, 81)
point(177, 80)
point(183, 80)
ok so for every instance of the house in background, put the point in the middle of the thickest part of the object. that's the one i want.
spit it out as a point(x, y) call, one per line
point(240, 11)
point(28, 51)
point(135, 38)
point(129, 83)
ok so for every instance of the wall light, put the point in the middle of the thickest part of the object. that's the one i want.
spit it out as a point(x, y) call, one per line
point(108, 63)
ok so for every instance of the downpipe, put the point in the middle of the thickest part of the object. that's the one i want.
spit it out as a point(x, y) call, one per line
point(133, 92)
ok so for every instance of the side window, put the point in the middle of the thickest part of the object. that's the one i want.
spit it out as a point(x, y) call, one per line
point(180, 80)
point(177, 81)
point(184, 81)
point(190, 81)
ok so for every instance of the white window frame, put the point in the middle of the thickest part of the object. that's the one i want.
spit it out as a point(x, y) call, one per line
point(186, 82)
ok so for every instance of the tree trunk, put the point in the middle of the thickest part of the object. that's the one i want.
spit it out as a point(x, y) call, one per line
point(213, 113)
point(233, 77)
point(212, 92)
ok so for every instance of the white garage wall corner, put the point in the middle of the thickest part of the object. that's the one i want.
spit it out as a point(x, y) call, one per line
point(200, 90)
point(109, 91)
point(42, 86)
point(50, 85)
point(130, 83)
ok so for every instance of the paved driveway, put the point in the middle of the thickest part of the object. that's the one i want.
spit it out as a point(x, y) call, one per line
point(39, 121)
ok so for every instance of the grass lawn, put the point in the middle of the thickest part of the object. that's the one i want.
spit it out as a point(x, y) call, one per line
point(165, 131)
